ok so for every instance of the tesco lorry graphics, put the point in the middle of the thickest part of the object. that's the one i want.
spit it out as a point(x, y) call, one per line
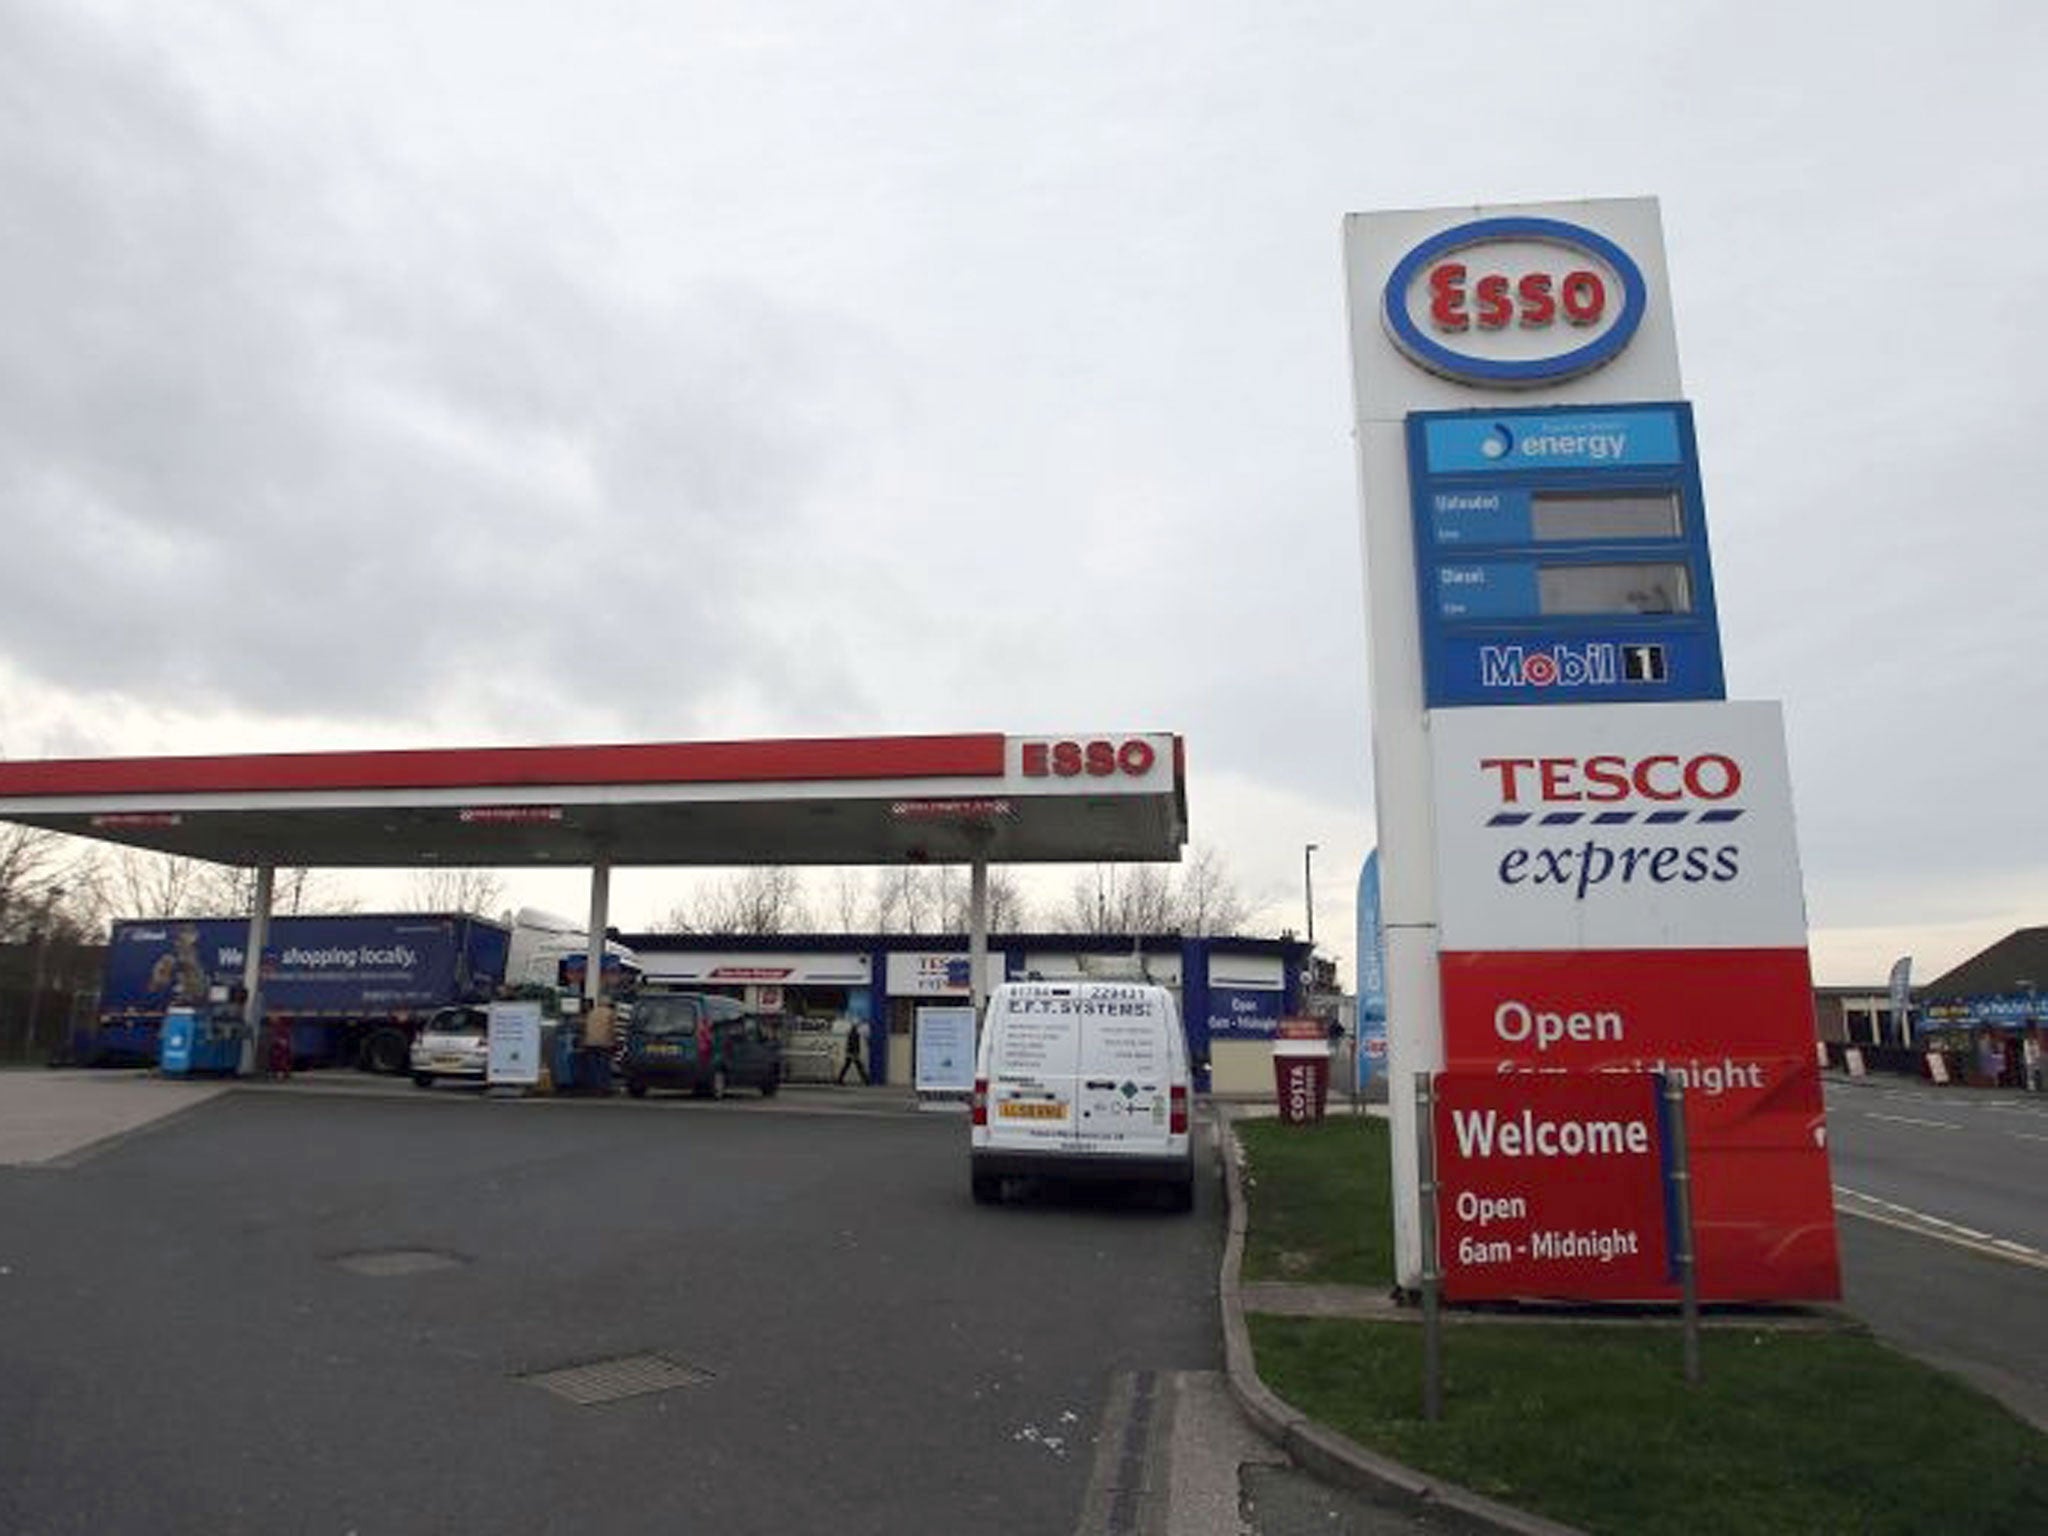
point(353, 990)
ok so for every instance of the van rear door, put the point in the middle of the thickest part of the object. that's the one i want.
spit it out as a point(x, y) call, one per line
point(1127, 1068)
point(1034, 1051)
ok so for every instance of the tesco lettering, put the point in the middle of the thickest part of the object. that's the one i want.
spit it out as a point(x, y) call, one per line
point(1658, 776)
point(1097, 759)
point(1458, 300)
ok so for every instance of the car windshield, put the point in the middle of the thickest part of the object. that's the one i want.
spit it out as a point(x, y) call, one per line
point(458, 1024)
point(657, 1017)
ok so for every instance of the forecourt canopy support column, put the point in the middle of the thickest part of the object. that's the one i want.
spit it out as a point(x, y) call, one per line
point(600, 916)
point(252, 967)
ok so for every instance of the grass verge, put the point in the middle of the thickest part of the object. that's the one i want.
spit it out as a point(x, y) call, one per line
point(1592, 1424)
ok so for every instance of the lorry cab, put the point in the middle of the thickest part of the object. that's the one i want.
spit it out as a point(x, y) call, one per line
point(1085, 1081)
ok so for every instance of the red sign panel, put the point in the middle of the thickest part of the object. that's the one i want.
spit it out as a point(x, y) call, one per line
point(1551, 1186)
point(1735, 1026)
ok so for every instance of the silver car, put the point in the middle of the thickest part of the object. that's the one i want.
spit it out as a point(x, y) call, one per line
point(455, 1042)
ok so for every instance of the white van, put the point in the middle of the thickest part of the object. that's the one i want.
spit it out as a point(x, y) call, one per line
point(1083, 1080)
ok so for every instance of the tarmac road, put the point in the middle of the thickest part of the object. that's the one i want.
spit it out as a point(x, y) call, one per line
point(303, 1312)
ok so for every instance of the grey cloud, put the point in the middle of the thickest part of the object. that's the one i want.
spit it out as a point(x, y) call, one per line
point(255, 453)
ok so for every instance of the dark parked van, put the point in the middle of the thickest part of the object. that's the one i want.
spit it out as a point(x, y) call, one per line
point(703, 1043)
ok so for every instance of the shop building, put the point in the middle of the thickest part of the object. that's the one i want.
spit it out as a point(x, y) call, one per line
point(1233, 992)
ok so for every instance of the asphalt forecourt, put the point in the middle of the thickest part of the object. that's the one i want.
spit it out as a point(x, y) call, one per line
point(414, 1311)
point(1801, 1421)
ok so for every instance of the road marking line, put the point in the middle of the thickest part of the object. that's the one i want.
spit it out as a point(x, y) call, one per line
point(2025, 1136)
point(1934, 1228)
point(1935, 1125)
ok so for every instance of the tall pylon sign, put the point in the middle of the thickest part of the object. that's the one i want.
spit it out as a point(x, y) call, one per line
point(1588, 858)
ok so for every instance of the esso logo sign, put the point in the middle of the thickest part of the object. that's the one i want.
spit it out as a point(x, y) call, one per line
point(1514, 302)
point(1660, 776)
point(1097, 759)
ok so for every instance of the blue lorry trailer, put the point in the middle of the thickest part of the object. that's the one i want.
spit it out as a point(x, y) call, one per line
point(353, 990)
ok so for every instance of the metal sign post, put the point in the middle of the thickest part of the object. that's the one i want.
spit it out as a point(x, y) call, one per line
point(1680, 1176)
point(1432, 1270)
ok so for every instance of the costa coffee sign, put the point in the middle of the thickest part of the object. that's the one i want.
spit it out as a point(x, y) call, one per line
point(1514, 302)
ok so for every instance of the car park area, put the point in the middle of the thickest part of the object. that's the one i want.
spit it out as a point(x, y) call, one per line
point(368, 1308)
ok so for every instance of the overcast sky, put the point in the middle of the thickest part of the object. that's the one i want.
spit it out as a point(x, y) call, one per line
point(431, 372)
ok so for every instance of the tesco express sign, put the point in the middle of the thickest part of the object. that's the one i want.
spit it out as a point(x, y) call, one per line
point(1514, 302)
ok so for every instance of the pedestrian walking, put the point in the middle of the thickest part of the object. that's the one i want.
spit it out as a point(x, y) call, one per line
point(854, 1058)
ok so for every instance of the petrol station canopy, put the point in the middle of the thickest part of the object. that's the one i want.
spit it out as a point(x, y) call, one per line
point(1077, 798)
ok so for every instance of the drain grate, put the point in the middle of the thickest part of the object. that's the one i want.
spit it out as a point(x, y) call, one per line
point(608, 1381)
point(380, 1263)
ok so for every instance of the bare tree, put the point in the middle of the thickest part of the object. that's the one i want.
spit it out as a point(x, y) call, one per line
point(456, 890)
point(1007, 909)
point(28, 864)
point(846, 899)
point(1208, 900)
point(904, 901)
point(1145, 898)
point(766, 898)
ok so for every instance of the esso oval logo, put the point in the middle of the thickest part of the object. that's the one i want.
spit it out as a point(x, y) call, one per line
point(1097, 759)
point(1514, 302)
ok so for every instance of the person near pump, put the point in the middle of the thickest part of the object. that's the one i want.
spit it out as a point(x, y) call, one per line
point(280, 1049)
point(854, 1059)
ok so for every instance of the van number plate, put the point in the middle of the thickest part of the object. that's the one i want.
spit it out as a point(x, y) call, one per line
point(1031, 1109)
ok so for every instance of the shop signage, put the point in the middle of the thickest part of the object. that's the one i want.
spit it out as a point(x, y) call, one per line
point(1514, 302)
point(1100, 758)
point(1735, 1028)
point(1616, 826)
point(1244, 1013)
point(1551, 1187)
point(514, 1044)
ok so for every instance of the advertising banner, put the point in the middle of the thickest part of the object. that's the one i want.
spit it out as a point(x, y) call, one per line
point(945, 1050)
point(1244, 1013)
point(1552, 1187)
point(514, 1044)
point(1615, 826)
point(1735, 1027)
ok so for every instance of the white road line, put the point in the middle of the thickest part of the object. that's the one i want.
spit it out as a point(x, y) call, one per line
point(1853, 1202)
point(1933, 1125)
point(2025, 1136)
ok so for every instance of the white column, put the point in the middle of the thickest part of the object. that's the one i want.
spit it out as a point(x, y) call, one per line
point(600, 916)
point(252, 967)
point(977, 938)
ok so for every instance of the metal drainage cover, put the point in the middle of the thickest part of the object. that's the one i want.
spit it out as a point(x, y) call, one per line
point(379, 1263)
point(607, 1381)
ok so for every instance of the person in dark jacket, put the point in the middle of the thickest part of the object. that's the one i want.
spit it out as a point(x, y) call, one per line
point(854, 1058)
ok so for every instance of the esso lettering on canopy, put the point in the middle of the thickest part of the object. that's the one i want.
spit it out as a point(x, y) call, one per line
point(1099, 758)
point(1664, 776)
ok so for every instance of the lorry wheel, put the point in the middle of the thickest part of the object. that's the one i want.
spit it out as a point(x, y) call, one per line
point(1179, 1198)
point(987, 1190)
point(636, 1088)
point(387, 1051)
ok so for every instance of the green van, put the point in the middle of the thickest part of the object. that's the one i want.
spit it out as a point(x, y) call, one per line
point(706, 1044)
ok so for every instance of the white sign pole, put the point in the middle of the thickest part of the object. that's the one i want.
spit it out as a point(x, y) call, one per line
point(1386, 386)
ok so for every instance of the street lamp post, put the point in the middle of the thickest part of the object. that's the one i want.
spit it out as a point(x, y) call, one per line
point(1308, 888)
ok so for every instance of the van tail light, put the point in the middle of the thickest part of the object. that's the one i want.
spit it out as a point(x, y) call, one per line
point(978, 1105)
point(1178, 1123)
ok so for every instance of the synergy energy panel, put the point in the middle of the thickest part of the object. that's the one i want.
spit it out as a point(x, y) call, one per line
point(1561, 557)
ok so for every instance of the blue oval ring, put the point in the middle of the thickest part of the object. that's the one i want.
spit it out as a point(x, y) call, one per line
point(1535, 370)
